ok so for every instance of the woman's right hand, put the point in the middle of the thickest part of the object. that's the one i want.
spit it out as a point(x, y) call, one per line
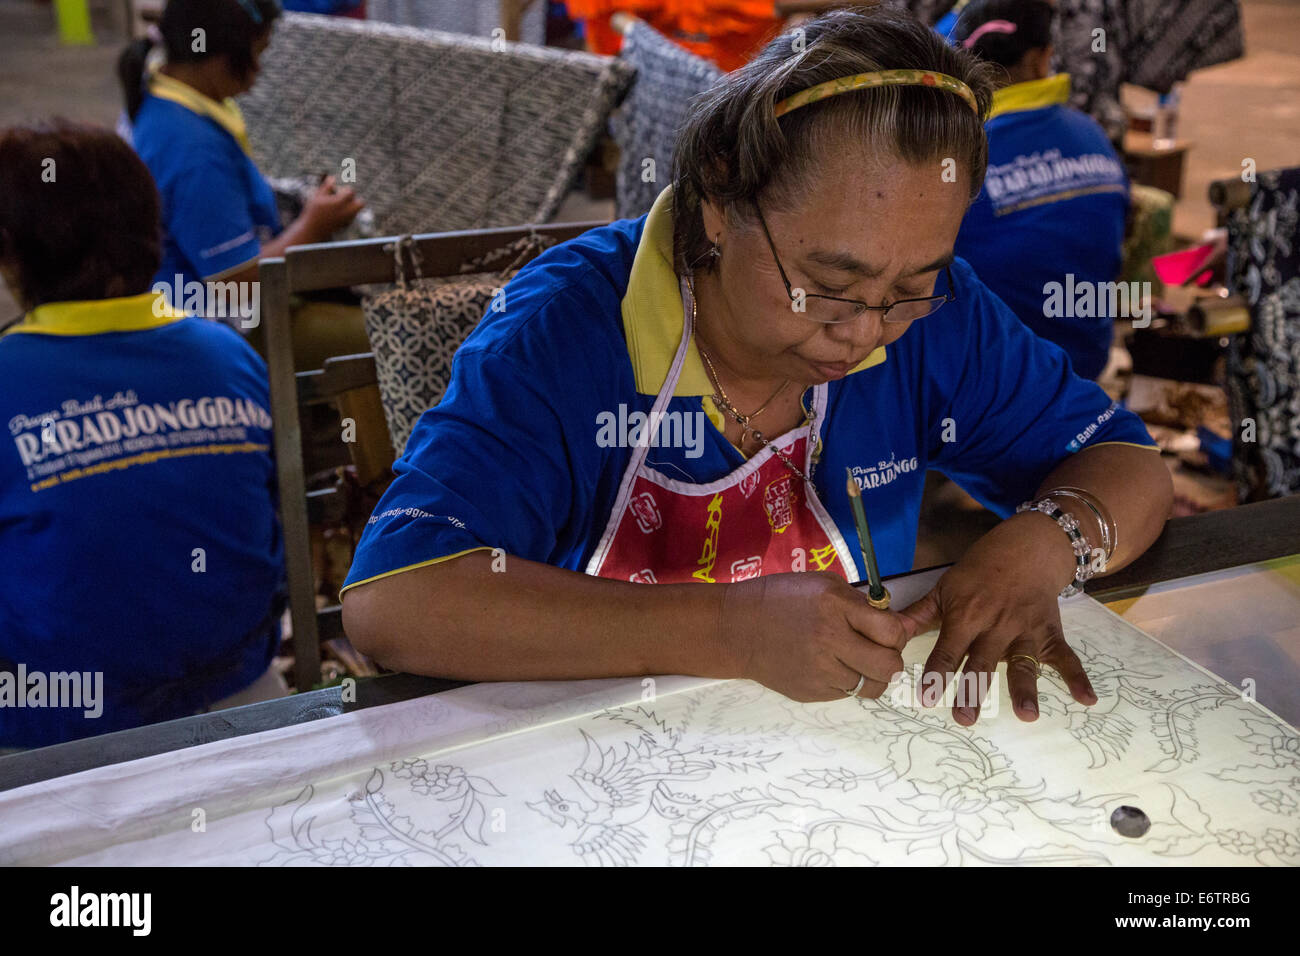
point(811, 635)
point(328, 210)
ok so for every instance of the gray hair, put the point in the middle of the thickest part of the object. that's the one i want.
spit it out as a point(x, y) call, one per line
point(733, 148)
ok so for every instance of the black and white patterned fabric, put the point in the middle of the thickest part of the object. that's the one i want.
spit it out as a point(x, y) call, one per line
point(446, 131)
point(414, 334)
point(645, 125)
point(1165, 40)
point(1264, 364)
point(477, 17)
point(416, 327)
point(1153, 43)
point(1095, 76)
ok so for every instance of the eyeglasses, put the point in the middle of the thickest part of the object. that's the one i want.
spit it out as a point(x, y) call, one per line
point(832, 310)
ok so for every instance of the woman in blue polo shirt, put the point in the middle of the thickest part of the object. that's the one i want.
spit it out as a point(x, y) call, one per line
point(676, 399)
point(1046, 231)
point(219, 212)
point(140, 549)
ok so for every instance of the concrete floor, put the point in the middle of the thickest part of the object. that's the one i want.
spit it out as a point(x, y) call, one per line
point(40, 79)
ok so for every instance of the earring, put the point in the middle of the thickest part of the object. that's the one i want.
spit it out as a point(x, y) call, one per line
point(715, 251)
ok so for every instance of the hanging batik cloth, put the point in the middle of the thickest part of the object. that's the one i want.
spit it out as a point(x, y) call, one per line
point(1264, 363)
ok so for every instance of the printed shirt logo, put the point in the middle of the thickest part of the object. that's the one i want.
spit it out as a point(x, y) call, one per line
point(94, 436)
point(709, 553)
point(1048, 176)
point(646, 513)
point(1079, 440)
point(822, 558)
point(882, 472)
point(746, 568)
point(702, 548)
point(778, 502)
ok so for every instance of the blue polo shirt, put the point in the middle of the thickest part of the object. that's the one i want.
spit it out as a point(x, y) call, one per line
point(217, 207)
point(139, 537)
point(1050, 217)
point(510, 457)
point(320, 6)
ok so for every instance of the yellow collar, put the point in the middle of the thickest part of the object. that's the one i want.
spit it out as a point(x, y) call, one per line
point(1033, 95)
point(226, 115)
point(652, 312)
point(130, 314)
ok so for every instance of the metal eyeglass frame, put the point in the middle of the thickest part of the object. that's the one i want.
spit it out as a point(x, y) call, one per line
point(858, 304)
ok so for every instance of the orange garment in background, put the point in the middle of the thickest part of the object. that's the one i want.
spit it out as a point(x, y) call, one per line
point(595, 14)
point(728, 32)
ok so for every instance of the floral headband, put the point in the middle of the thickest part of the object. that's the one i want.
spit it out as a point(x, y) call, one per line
point(862, 81)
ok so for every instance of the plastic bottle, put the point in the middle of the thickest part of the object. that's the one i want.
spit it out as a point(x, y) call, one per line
point(1164, 132)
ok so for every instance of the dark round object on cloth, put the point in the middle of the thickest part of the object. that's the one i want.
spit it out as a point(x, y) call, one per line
point(1130, 822)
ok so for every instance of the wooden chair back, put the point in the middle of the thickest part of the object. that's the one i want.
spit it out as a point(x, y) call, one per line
point(350, 382)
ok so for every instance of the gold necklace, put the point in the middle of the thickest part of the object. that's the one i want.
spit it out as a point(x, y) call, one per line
point(720, 399)
point(725, 402)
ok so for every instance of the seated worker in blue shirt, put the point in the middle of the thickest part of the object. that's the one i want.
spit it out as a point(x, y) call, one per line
point(675, 400)
point(219, 212)
point(1047, 230)
point(140, 550)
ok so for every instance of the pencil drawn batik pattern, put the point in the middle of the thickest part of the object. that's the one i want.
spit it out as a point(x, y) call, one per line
point(733, 773)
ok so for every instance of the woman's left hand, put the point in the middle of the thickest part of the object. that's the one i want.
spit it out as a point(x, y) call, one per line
point(997, 603)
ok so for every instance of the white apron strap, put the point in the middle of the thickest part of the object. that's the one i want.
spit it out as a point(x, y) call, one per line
point(820, 393)
point(642, 448)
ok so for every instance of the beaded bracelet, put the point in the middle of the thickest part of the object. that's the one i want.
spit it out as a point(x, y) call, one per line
point(1082, 550)
point(1109, 532)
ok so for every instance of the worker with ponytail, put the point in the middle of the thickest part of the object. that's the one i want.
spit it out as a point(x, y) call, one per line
point(219, 212)
point(1051, 214)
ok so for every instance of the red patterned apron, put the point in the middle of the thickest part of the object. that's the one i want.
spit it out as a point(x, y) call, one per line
point(760, 519)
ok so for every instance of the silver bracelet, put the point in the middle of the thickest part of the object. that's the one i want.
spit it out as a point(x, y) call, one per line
point(1109, 531)
point(1082, 550)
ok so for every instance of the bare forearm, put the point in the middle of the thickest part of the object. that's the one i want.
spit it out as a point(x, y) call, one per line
point(460, 619)
point(299, 233)
point(1132, 483)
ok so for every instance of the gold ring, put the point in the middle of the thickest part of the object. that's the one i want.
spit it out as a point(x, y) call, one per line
point(1038, 666)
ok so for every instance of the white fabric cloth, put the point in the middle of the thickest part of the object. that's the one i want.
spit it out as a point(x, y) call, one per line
point(686, 771)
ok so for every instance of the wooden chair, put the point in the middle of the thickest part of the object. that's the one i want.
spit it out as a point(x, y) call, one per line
point(348, 381)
